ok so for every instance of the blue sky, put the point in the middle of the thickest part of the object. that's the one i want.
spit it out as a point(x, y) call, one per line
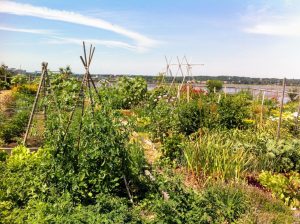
point(258, 38)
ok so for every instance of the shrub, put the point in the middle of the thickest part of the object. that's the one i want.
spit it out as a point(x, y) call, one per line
point(14, 127)
point(233, 110)
point(190, 117)
point(163, 120)
point(214, 85)
point(172, 147)
point(4, 85)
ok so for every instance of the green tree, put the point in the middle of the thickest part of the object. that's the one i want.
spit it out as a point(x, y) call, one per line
point(5, 77)
point(214, 85)
point(66, 71)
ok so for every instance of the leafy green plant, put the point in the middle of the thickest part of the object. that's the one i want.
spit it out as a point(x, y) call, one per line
point(223, 204)
point(3, 155)
point(285, 155)
point(163, 120)
point(19, 79)
point(190, 117)
point(131, 90)
point(285, 187)
point(4, 85)
point(233, 110)
point(14, 127)
point(172, 147)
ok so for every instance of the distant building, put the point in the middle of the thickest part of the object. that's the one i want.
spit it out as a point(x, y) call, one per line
point(16, 71)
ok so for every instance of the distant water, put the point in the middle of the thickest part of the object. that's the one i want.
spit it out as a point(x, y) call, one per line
point(272, 91)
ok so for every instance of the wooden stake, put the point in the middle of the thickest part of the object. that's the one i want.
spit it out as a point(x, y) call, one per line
point(219, 98)
point(281, 110)
point(297, 117)
point(188, 93)
point(262, 108)
point(44, 70)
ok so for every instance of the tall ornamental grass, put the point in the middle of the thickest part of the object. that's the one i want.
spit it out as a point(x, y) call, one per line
point(217, 156)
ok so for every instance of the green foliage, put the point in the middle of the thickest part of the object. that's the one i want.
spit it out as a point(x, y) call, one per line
point(19, 79)
point(22, 178)
point(3, 155)
point(107, 209)
point(4, 73)
point(172, 146)
point(4, 85)
point(191, 117)
point(125, 94)
point(66, 72)
point(214, 85)
point(285, 187)
point(14, 127)
point(163, 120)
point(131, 90)
point(264, 209)
point(284, 155)
point(223, 204)
point(96, 163)
point(65, 90)
point(28, 89)
point(232, 110)
point(217, 155)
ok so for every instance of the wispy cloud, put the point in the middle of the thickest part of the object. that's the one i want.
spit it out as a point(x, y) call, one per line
point(34, 31)
point(53, 38)
point(107, 43)
point(289, 26)
point(11, 7)
point(269, 20)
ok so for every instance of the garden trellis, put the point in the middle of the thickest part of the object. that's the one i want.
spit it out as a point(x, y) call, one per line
point(86, 84)
point(44, 87)
point(184, 69)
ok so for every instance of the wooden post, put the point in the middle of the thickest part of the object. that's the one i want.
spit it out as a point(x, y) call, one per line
point(219, 98)
point(44, 70)
point(297, 117)
point(215, 90)
point(44, 96)
point(188, 92)
point(225, 91)
point(178, 93)
point(281, 110)
point(262, 108)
